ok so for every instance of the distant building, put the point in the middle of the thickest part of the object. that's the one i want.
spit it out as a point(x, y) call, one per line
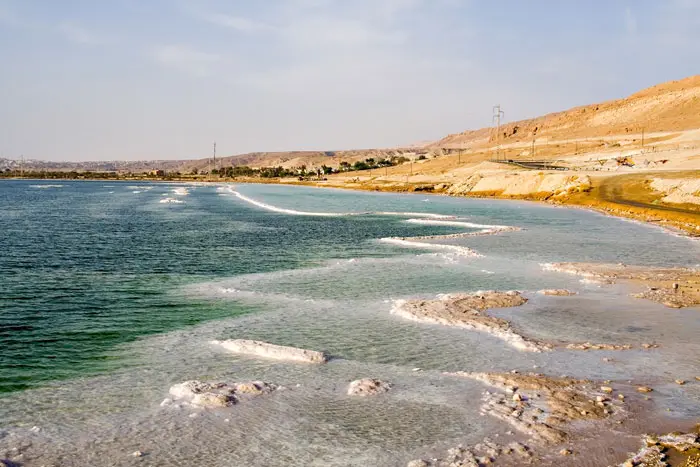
point(157, 173)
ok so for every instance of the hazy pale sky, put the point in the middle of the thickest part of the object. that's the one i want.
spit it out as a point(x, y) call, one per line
point(163, 79)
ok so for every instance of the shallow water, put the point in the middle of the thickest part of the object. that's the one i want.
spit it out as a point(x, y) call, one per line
point(110, 296)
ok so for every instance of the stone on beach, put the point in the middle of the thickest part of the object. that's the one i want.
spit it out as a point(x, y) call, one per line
point(216, 395)
point(272, 351)
point(368, 387)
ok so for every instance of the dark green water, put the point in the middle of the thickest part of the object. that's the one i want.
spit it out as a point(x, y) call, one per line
point(89, 265)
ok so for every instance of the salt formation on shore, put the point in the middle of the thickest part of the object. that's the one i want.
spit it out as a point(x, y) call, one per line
point(655, 449)
point(556, 292)
point(368, 387)
point(171, 201)
point(540, 406)
point(467, 311)
point(216, 395)
point(672, 287)
point(483, 453)
point(272, 351)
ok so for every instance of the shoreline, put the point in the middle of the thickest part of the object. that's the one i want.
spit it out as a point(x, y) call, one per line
point(590, 203)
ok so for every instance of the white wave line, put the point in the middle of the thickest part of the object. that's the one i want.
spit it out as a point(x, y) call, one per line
point(270, 207)
point(424, 218)
point(409, 242)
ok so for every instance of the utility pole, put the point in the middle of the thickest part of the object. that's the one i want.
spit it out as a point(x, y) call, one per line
point(215, 166)
point(21, 166)
point(498, 114)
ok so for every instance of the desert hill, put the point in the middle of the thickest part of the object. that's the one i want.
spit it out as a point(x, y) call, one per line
point(670, 106)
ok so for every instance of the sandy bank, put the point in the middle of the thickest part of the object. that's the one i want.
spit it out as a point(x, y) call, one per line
point(272, 351)
point(672, 287)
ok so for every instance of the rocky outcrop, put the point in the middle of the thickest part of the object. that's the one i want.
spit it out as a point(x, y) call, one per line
point(672, 287)
point(368, 387)
point(678, 191)
point(521, 184)
point(216, 395)
point(467, 311)
point(272, 351)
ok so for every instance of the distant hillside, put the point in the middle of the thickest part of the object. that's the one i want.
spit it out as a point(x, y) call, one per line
point(670, 106)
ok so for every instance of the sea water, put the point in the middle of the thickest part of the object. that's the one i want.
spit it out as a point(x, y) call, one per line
point(108, 296)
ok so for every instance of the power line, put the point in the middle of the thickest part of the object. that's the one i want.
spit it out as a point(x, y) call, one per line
point(498, 114)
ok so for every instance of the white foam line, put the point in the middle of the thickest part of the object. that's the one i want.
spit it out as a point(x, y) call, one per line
point(270, 207)
point(413, 214)
point(424, 218)
point(469, 225)
point(407, 242)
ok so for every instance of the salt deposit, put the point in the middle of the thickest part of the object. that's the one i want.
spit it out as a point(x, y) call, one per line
point(272, 351)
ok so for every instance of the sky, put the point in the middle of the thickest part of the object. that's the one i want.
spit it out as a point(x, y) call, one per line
point(163, 79)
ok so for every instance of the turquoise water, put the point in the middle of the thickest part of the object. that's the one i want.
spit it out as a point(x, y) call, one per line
point(108, 296)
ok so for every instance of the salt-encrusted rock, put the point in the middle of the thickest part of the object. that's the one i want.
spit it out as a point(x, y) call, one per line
point(368, 387)
point(653, 451)
point(556, 292)
point(467, 310)
point(644, 389)
point(272, 351)
point(216, 395)
point(564, 400)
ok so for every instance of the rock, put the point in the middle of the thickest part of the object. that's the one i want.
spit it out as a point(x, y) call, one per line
point(272, 351)
point(216, 395)
point(697, 378)
point(565, 452)
point(517, 398)
point(368, 387)
point(680, 382)
point(138, 454)
point(644, 389)
point(601, 398)
point(556, 292)
point(621, 397)
point(606, 389)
